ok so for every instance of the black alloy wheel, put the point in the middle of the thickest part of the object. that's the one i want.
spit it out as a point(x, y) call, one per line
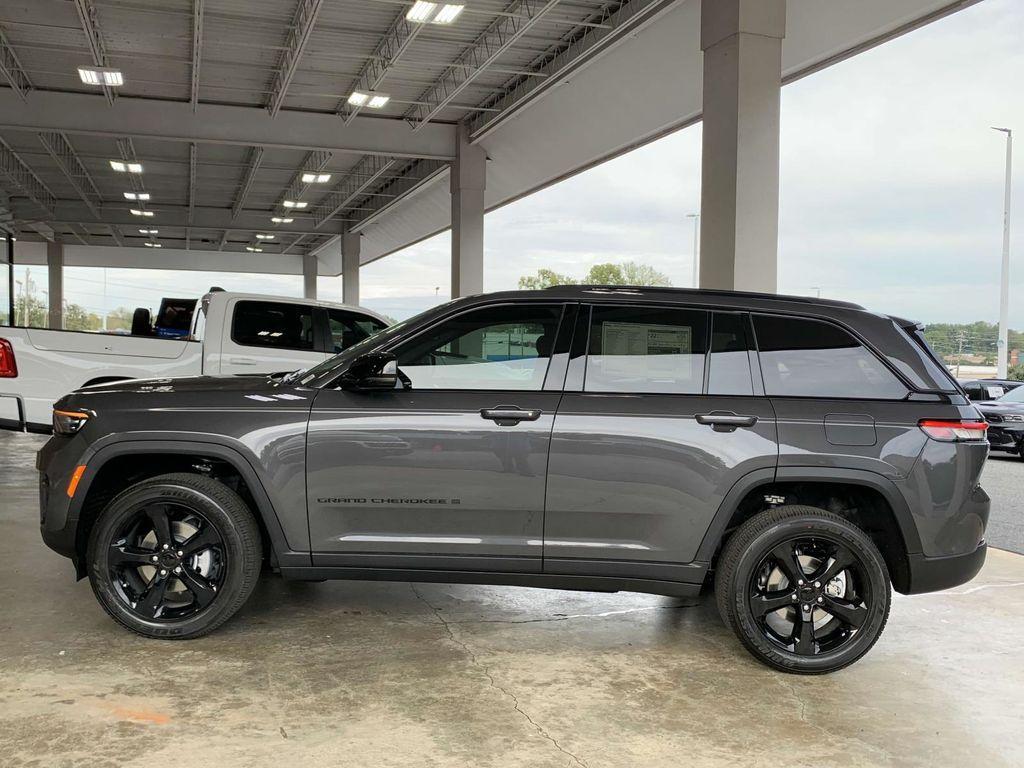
point(805, 590)
point(174, 556)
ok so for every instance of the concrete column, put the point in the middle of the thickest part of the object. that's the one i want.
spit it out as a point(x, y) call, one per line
point(468, 182)
point(55, 270)
point(742, 44)
point(310, 268)
point(350, 245)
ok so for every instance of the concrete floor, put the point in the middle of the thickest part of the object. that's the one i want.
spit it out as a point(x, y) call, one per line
point(357, 674)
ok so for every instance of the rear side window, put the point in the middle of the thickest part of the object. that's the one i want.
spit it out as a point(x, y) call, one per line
point(646, 349)
point(348, 328)
point(273, 324)
point(729, 371)
point(801, 357)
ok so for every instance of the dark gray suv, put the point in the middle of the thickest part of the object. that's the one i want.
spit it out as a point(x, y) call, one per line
point(803, 454)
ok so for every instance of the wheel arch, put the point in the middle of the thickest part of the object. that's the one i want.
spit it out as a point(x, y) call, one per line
point(866, 498)
point(118, 465)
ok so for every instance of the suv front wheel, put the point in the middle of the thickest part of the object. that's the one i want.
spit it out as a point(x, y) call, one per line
point(174, 556)
point(805, 590)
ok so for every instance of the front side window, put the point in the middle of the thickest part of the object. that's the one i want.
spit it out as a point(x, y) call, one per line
point(646, 350)
point(498, 348)
point(801, 357)
point(273, 324)
point(348, 328)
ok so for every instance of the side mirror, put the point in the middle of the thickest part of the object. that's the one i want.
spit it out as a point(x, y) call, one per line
point(374, 370)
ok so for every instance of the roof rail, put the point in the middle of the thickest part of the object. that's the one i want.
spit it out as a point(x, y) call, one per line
point(708, 292)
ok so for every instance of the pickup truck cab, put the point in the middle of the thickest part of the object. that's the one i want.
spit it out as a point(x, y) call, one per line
point(231, 333)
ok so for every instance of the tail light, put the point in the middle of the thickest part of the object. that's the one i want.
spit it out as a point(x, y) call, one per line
point(8, 367)
point(953, 430)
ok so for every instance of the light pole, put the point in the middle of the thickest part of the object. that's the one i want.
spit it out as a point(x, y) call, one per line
point(696, 247)
point(1004, 285)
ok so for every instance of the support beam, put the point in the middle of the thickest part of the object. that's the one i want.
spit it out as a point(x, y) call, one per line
point(310, 269)
point(294, 46)
point(414, 178)
point(94, 39)
point(64, 155)
point(742, 44)
point(76, 113)
point(468, 182)
point(351, 243)
point(197, 50)
point(55, 273)
point(348, 190)
point(192, 158)
point(11, 69)
point(314, 162)
point(252, 165)
point(14, 170)
point(488, 48)
point(10, 279)
point(395, 42)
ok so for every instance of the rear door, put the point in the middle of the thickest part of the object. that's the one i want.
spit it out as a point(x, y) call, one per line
point(269, 337)
point(660, 418)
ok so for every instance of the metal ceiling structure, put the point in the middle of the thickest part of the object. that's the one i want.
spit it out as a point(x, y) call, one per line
point(227, 103)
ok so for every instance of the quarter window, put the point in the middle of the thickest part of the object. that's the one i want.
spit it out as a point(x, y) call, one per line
point(498, 348)
point(646, 349)
point(801, 357)
point(273, 324)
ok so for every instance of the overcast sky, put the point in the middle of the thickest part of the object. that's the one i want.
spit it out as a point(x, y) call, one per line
point(892, 193)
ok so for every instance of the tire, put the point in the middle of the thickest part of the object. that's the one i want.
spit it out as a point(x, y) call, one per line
point(211, 561)
point(845, 589)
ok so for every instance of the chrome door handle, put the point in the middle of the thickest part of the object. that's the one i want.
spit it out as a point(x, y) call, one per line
point(725, 419)
point(509, 415)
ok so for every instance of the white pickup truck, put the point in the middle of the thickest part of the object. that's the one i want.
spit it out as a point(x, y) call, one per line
point(230, 333)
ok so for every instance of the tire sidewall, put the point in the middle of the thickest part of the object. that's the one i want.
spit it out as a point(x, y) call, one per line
point(126, 505)
point(823, 528)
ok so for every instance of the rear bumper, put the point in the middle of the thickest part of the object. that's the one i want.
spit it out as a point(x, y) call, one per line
point(930, 574)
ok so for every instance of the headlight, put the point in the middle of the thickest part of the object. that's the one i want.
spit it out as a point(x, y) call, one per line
point(69, 422)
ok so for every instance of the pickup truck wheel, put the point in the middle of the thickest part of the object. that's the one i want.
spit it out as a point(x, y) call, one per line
point(805, 590)
point(174, 556)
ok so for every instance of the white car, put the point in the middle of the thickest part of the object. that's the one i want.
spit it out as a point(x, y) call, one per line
point(230, 333)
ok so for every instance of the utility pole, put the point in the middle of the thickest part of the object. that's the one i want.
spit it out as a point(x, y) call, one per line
point(1004, 286)
point(961, 337)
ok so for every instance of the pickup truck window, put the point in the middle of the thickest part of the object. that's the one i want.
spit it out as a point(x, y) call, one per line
point(273, 324)
point(348, 328)
point(497, 348)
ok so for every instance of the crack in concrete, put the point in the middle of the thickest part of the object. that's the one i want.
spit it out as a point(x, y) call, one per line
point(493, 683)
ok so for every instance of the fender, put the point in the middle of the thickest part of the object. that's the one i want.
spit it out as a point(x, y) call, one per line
point(98, 455)
point(752, 480)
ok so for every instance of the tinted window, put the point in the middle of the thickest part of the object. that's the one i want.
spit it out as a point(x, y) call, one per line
point(729, 372)
point(348, 328)
point(811, 358)
point(496, 348)
point(273, 324)
point(646, 349)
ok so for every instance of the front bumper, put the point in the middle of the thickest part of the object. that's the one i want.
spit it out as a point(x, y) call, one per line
point(58, 517)
point(930, 574)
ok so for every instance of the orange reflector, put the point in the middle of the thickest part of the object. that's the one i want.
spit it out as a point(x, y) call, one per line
point(73, 483)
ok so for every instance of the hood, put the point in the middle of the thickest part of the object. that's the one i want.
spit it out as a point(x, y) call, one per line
point(254, 383)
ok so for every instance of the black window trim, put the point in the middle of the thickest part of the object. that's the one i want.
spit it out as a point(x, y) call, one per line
point(911, 389)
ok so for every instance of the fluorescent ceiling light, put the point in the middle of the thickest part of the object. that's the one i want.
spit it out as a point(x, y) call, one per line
point(134, 167)
point(421, 12)
point(122, 167)
point(148, 244)
point(448, 14)
point(371, 99)
point(316, 178)
point(253, 250)
point(137, 212)
point(378, 101)
point(264, 237)
point(281, 220)
point(149, 232)
point(136, 196)
point(358, 98)
point(294, 204)
point(101, 76)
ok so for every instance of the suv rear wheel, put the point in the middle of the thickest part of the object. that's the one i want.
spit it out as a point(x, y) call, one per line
point(805, 590)
point(174, 556)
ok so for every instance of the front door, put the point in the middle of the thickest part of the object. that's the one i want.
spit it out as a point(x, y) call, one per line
point(449, 472)
point(652, 432)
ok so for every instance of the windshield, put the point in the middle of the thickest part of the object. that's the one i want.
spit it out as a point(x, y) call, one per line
point(1015, 395)
point(326, 370)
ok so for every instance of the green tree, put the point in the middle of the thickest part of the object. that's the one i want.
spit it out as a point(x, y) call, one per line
point(1015, 372)
point(77, 318)
point(120, 319)
point(628, 273)
point(545, 278)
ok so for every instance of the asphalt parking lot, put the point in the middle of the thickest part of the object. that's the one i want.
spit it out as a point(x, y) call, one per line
point(362, 673)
